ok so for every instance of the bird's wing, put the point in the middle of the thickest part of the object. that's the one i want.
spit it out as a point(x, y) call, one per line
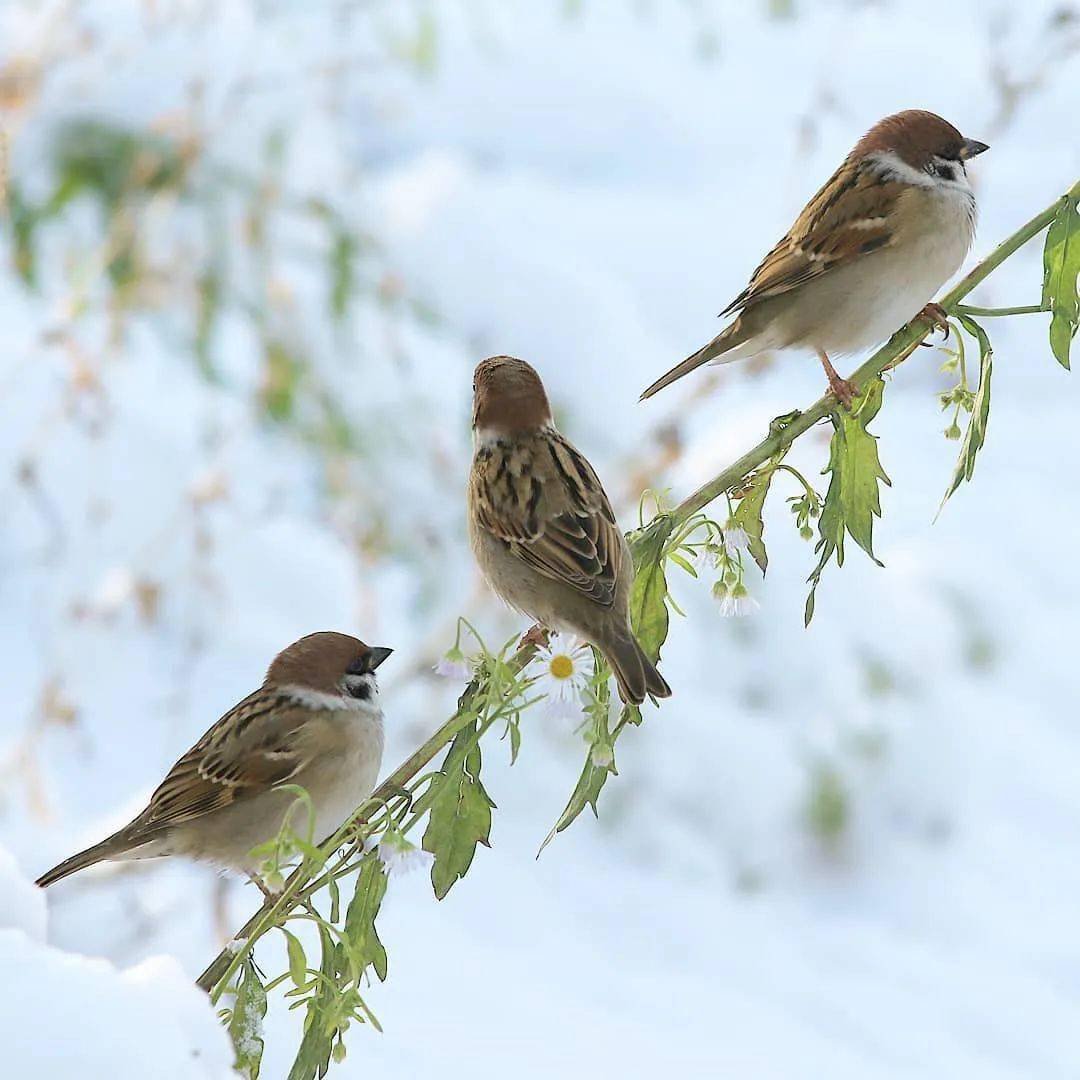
point(545, 502)
point(850, 217)
point(251, 749)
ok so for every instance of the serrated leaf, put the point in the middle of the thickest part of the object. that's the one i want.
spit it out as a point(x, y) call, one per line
point(364, 945)
point(975, 435)
point(1061, 266)
point(246, 1021)
point(853, 499)
point(460, 816)
point(748, 516)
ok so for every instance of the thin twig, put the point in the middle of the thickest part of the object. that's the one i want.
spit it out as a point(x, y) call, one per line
point(218, 974)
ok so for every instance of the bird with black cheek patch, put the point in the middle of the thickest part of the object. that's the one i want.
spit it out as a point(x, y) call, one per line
point(316, 721)
point(865, 256)
point(542, 528)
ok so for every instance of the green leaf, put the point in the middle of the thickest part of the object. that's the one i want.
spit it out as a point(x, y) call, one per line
point(585, 793)
point(648, 595)
point(853, 499)
point(342, 271)
point(246, 1020)
point(460, 815)
point(1061, 265)
point(321, 1021)
point(682, 563)
point(335, 899)
point(514, 730)
point(748, 516)
point(282, 373)
point(594, 776)
point(975, 435)
point(364, 945)
point(297, 959)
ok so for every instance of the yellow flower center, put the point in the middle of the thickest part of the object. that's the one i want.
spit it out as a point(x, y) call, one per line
point(561, 666)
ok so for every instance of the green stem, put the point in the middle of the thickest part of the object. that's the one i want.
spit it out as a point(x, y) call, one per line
point(221, 970)
point(994, 312)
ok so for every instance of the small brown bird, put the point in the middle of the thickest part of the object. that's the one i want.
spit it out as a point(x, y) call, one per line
point(865, 256)
point(315, 722)
point(542, 528)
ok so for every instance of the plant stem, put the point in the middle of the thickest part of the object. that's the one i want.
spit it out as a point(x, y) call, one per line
point(994, 312)
point(221, 970)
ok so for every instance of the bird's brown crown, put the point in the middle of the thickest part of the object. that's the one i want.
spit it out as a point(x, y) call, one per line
point(317, 661)
point(508, 396)
point(915, 136)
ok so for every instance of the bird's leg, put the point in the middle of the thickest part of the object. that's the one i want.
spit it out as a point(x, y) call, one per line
point(536, 636)
point(844, 390)
point(937, 316)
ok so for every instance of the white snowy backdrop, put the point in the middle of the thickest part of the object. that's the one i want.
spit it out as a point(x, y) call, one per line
point(846, 852)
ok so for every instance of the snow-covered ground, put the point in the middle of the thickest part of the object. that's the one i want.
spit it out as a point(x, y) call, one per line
point(585, 186)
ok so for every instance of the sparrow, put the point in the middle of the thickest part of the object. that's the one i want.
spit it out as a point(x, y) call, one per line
point(865, 256)
point(315, 721)
point(542, 528)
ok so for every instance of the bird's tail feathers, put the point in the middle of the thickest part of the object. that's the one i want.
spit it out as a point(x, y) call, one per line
point(729, 338)
point(635, 673)
point(111, 847)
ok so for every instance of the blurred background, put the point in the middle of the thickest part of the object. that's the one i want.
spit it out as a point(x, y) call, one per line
point(251, 254)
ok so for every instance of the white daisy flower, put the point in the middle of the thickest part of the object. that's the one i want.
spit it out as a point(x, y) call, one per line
point(399, 857)
point(735, 539)
point(565, 674)
point(454, 665)
point(737, 602)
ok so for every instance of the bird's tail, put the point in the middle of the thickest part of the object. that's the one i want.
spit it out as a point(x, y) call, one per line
point(109, 848)
point(635, 673)
point(729, 338)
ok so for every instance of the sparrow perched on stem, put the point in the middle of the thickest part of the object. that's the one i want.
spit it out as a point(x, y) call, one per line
point(542, 528)
point(865, 256)
point(315, 722)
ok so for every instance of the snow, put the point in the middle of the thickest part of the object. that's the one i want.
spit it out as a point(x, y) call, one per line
point(73, 1015)
point(22, 904)
point(585, 190)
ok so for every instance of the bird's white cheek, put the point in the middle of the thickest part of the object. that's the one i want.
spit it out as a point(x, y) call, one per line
point(318, 699)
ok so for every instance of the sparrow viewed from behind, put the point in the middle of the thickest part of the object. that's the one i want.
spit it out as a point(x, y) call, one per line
point(865, 256)
point(542, 528)
point(315, 721)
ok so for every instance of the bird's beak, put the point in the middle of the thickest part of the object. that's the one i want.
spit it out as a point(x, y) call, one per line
point(971, 147)
point(376, 655)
